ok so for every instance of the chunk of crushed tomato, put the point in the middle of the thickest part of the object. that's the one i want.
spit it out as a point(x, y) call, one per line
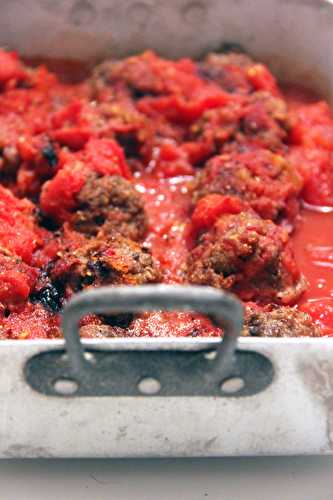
point(312, 134)
point(19, 232)
point(211, 207)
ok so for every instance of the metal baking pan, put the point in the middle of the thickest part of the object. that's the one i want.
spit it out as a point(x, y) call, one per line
point(173, 397)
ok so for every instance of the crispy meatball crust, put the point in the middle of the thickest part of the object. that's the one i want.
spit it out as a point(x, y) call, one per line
point(112, 261)
point(109, 204)
point(278, 322)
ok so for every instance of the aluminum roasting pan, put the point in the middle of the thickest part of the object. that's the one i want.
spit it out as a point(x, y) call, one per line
point(286, 404)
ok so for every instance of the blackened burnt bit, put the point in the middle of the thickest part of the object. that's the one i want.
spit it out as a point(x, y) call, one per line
point(50, 155)
point(49, 297)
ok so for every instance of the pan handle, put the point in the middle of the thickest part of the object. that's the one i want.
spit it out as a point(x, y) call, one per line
point(224, 309)
point(222, 372)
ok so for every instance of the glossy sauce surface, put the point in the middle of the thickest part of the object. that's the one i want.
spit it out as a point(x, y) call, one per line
point(168, 203)
point(313, 245)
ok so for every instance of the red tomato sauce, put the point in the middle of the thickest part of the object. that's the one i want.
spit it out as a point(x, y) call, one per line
point(168, 204)
point(313, 246)
point(202, 152)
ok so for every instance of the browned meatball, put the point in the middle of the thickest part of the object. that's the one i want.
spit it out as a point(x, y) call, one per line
point(102, 326)
point(263, 179)
point(228, 70)
point(266, 120)
point(122, 78)
point(138, 75)
point(112, 261)
point(278, 322)
point(249, 256)
point(107, 204)
point(100, 331)
point(259, 119)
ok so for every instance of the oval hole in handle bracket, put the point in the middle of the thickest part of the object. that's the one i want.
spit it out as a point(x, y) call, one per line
point(171, 372)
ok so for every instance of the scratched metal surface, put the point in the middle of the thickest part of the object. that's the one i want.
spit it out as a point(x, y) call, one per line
point(295, 414)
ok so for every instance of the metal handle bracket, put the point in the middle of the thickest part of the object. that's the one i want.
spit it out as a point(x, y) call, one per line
point(146, 372)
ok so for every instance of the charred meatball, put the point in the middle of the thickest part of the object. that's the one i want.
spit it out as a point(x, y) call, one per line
point(109, 203)
point(112, 261)
point(278, 322)
point(248, 256)
point(259, 177)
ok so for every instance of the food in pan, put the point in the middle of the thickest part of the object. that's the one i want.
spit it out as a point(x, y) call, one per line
point(159, 171)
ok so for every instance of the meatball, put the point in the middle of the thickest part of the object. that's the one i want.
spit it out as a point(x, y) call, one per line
point(109, 203)
point(266, 120)
point(275, 321)
point(92, 193)
point(249, 256)
point(146, 75)
point(217, 126)
point(109, 261)
point(237, 73)
point(102, 326)
point(259, 119)
point(97, 331)
point(132, 80)
point(228, 70)
point(103, 157)
point(259, 177)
